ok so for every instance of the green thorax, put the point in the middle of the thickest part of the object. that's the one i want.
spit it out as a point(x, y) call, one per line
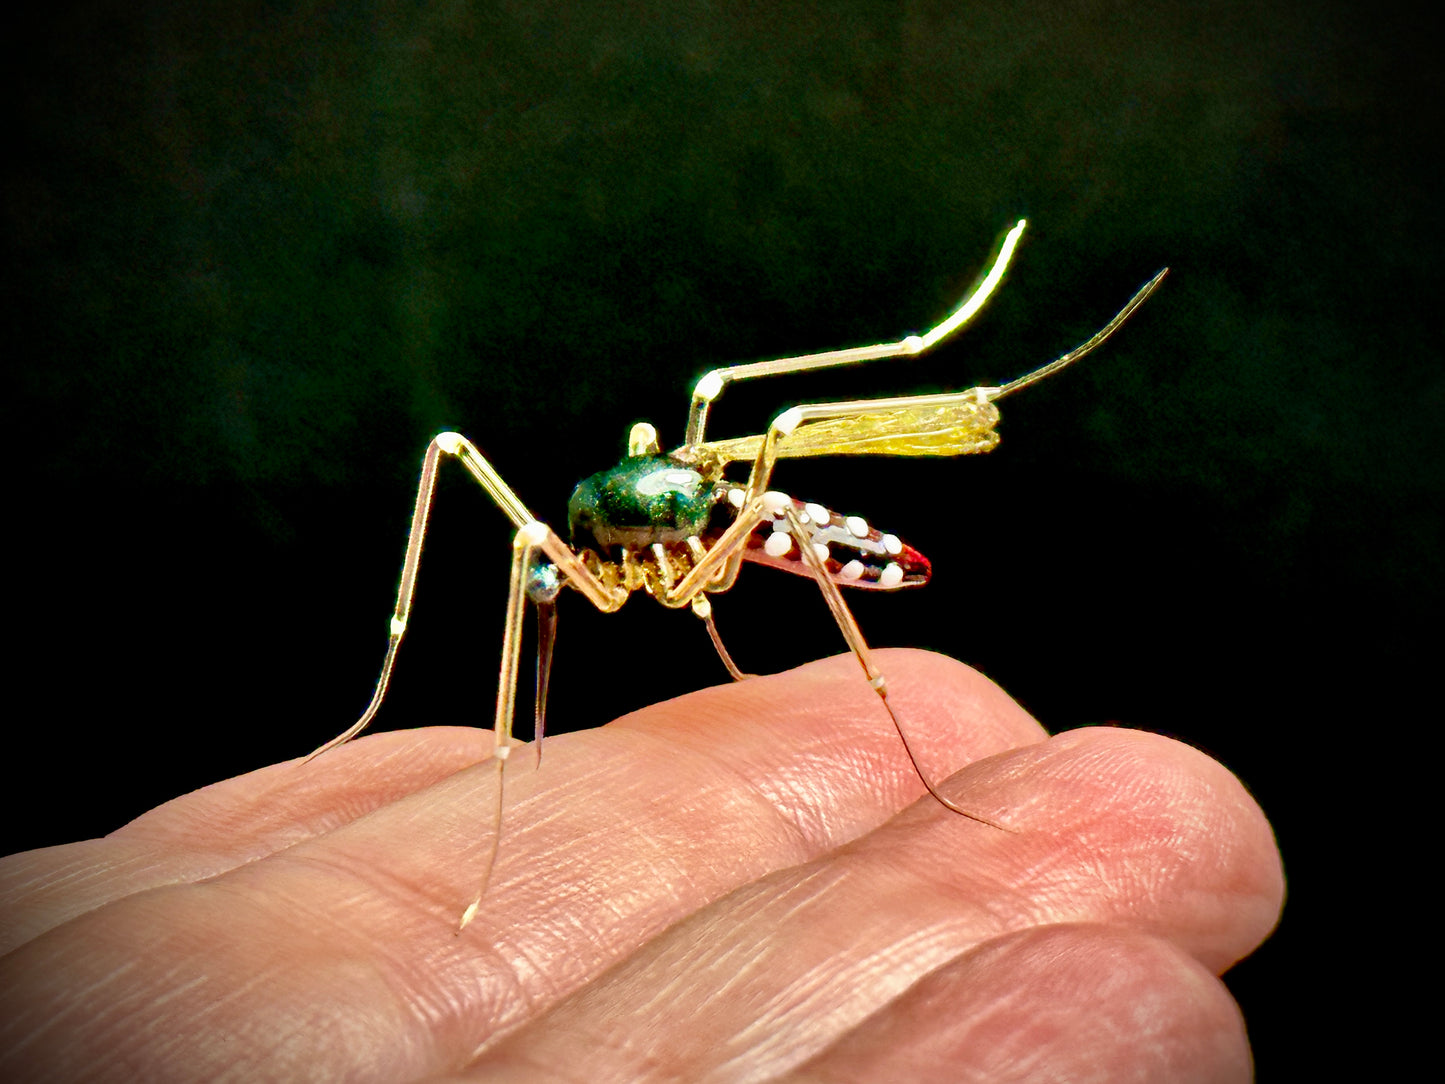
point(643, 500)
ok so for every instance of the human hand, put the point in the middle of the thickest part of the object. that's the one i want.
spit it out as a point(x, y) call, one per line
point(744, 883)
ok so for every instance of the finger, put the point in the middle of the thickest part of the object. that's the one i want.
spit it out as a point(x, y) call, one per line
point(1101, 1004)
point(1109, 826)
point(225, 825)
point(623, 832)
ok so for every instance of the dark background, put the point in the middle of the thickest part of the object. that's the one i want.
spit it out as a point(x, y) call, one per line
point(257, 254)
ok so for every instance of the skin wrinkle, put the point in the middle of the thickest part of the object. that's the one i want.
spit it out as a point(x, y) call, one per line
point(878, 974)
point(796, 803)
point(982, 885)
point(36, 1007)
point(518, 1000)
point(742, 788)
point(424, 1002)
point(264, 821)
point(524, 997)
point(635, 897)
point(642, 743)
point(389, 963)
point(736, 963)
point(765, 788)
point(442, 1002)
point(961, 958)
point(354, 1030)
point(50, 898)
point(222, 999)
point(779, 815)
point(1032, 1017)
point(398, 765)
point(331, 863)
point(125, 1008)
point(1081, 867)
point(634, 880)
point(762, 910)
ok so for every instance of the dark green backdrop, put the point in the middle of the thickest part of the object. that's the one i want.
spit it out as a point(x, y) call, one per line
point(257, 254)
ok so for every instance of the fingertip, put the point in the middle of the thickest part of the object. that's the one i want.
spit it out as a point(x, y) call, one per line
point(1161, 833)
point(1149, 787)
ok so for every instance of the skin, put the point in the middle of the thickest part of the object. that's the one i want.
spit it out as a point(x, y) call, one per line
point(746, 883)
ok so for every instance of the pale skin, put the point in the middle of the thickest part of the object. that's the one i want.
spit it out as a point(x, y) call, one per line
point(747, 883)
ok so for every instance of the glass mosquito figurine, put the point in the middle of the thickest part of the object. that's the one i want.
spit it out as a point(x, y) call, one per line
point(677, 527)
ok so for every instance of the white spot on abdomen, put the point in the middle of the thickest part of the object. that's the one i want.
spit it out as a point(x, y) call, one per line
point(779, 544)
point(774, 502)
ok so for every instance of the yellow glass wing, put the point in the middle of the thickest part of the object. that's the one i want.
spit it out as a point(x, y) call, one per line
point(929, 425)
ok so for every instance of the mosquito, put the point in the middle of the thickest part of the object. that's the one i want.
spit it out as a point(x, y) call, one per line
point(675, 526)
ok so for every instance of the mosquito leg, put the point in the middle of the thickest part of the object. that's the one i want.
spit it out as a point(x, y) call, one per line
point(450, 444)
point(546, 640)
point(851, 633)
point(534, 537)
point(404, 595)
point(569, 567)
point(768, 506)
point(702, 606)
point(524, 544)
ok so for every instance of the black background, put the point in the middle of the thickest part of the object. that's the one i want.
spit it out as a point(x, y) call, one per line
point(257, 254)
